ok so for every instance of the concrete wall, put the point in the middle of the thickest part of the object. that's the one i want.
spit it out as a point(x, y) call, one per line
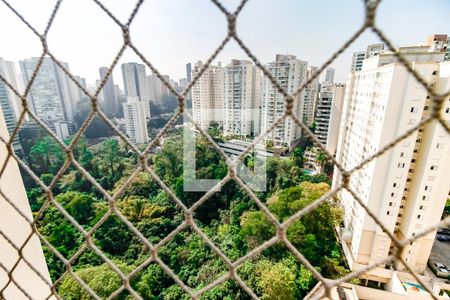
point(17, 229)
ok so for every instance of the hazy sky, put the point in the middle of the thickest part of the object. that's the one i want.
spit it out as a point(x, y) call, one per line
point(171, 33)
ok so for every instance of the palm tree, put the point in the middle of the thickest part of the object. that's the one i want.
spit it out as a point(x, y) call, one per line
point(321, 159)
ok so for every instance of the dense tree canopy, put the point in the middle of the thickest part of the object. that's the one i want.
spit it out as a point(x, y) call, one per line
point(230, 218)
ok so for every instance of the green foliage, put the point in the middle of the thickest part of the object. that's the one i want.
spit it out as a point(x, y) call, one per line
point(101, 279)
point(46, 155)
point(230, 218)
point(108, 168)
point(276, 280)
point(113, 236)
point(79, 205)
point(256, 227)
point(141, 185)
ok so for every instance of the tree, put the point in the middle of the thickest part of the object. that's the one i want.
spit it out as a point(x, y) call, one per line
point(297, 155)
point(322, 159)
point(112, 162)
point(152, 282)
point(114, 236)
point(256, 227)
point(142, 185)
point(169, 161)
point(314, 232)
point(46, 155)
point(101, 279)
point(214, 131)
point(79, 205)
point(277, 280)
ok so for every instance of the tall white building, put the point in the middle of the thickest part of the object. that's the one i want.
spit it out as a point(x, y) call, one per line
point(17, 229)
point(208, 96)
point(357, 60)
point(329, 75)
point(335, 117)
point(9, 102)
point(109, 96)
point(360, 56)
point(136, 84)
point(154, 86)
point(291, 73)
point(328, 113)
point(374, 50)
point(242, 98)
point(135, 120)
point(406, 187)
point(52, 95)
point(310, 97)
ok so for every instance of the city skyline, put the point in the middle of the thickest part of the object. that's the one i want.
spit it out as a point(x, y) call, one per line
point(68, 36)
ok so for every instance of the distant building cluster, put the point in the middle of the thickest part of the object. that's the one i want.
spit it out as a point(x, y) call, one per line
point(243, 102)
point(55, 98)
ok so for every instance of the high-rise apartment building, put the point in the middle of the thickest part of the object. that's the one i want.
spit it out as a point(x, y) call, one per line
point(310, 97)
point(208, 96)
point(374, 50)
point(188, 72)
point(135, 84)
point(440, 42)
point(242, 98)
point(360, 56)
point(17, 229)
point(52, 95)
point(9, 102)
point(406, 187)
point(291, 73)
point(109, 96)
point(334, 122)
point(189, 78)
point(357, 60)
point(135, 120)
point(79, 94)
point(329, 75)
point(154, 86)
point(329, 109)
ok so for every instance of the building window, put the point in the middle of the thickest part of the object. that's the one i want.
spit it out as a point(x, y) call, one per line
point(414, 109)
point(401, 165)
point(388, 213)
point(434, 168)
point(427, 188)
point(425, 107)
point(419, 216)
point(424, 197)
point(402, 154)
point(393, 195)
point(390, 203)
point(394, 185)
point(439, 145)
point(421, 207)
